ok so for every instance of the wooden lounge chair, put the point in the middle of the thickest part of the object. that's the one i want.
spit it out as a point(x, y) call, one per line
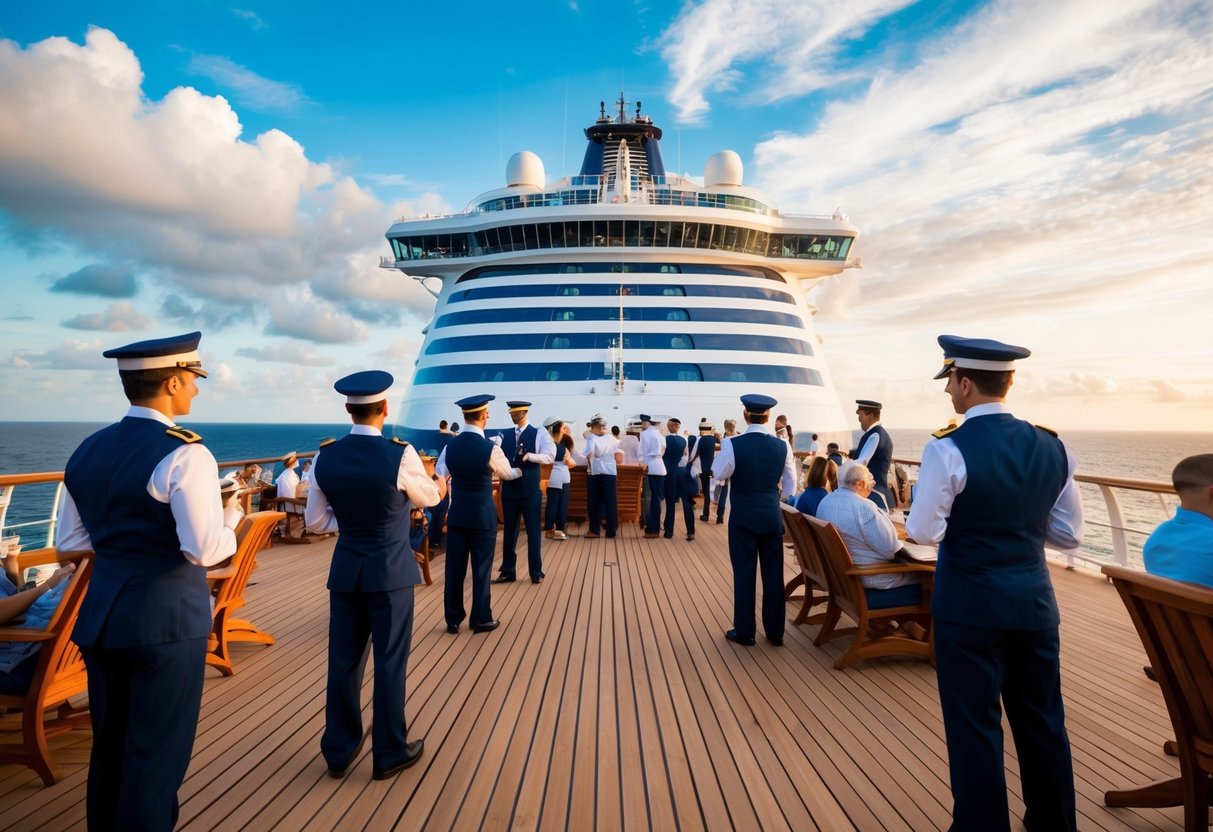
point(812, 567)
point(874, 635)
point(59, 676)
point(629, 484)
point(229, 583)
point(1175, 622)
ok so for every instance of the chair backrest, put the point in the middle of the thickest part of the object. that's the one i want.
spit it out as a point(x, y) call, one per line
point(1175, 622)
point(251, 535)
point(578, 496)
point(804, 543)
point(836, 560)
point(629, 483)
point(60, 671)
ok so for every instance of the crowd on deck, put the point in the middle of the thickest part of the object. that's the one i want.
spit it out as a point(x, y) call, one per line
point(991, 492)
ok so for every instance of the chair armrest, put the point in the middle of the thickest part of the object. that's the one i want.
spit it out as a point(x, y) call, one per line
point(24, 634)
point(890, 569)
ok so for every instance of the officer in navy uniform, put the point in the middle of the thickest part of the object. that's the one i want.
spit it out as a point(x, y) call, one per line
point(705, 451)
point(675, 450)
point(992, 492)
point(875, 450)
point(143, 495)
point(471, 460)
point(652, 451)
point(364, 486)
point(527, 448)
point(759, 466)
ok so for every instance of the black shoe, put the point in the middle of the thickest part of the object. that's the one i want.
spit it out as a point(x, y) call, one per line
point(504, 579)
point(412, 753)
point(452, 628)
point(719, 521)
point(487, 627)
point(610, 535)
point(669, 536)
point(703, 517)
point(338, 773)
point(691, 536)
point(745, 641)
point(538, 580)
point(591, 535)
point(776, 642)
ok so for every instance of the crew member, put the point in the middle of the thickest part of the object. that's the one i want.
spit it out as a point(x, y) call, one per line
point(675, 492)
point(994, 491)
point(875, 450)
point(365, 486)
point(652, 448)
point(155, 525)
point(603, 455)
point(527, 448)
point(705, 451)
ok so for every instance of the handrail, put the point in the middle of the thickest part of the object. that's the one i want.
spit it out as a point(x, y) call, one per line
point(1124, 551)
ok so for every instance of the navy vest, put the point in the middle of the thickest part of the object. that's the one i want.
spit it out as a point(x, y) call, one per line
point(991, 570)
point(527, 485)
point(707, 452)
point(754, 487)
point(675, 446)
point(467, 458)
point(142, 590)
point(358, 475)
point(882, 458)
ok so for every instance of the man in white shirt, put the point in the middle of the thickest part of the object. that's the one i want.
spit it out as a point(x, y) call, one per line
point(603, 455)
point(288, 487)
point(652, 448)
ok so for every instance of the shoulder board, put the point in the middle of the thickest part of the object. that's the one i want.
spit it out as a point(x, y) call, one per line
point(400, 441)
point(1049, 431)
point(327, 442)
point(185, 435)
point(942, 432)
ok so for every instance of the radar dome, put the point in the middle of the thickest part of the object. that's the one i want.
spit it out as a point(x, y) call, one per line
point(525, 170)
point(723, 169)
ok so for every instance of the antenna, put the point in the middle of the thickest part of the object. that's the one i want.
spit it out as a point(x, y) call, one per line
point(564, 147)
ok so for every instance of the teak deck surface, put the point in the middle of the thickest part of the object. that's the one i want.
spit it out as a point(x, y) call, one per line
point(609, 699)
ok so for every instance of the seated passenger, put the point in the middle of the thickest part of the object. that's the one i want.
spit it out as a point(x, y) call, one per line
point(869, 535)
point(1182, 548)
point(823, 478)
point(18, 659)
point(834, 453)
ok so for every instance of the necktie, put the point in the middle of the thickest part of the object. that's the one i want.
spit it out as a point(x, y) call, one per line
point(518, 443)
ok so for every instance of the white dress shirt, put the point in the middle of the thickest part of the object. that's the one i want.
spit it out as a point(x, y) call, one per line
point(288, 486)
point(188, 481)
point(630, 445)
point(725, 462)
point(498, 464)
point(652, 448)
point(864, 455)
point(943, 475)
point(411, 478)
point(545, 446)
point(602, 454)
point(560, 470)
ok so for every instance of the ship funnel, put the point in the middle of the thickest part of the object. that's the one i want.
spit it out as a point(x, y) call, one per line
point(723, 169)
point(525, 170)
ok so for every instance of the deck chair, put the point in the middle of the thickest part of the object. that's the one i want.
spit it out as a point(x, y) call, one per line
point(1175, 622)
point(843, 578)
point(578, 511)
point(629, 484)
point(228, 585)
point(59, 676)
point(812, 568)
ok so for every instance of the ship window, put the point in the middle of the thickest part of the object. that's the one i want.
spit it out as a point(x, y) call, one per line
point(677, 315)
point(670, 291)
point(550, 375)
point(737, 375)
point(563, 315)
point(570, 291)
point(559, 342)
point(545, 234)
point(584, 371)
point(530, 236)
point(615, 232)
point(689, 238)
point(681, 342)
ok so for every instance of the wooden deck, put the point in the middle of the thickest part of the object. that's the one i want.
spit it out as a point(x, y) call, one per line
point(610, 700)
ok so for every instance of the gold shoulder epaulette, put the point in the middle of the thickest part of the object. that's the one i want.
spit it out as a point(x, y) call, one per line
point(326, 442)
point(1049, 431)
point(400, 441)
point(942, 432)
point(184, 434)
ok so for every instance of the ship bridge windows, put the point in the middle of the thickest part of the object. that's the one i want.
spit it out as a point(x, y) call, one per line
point(622, 234)
point(698, 269)
point(639, 371)
point(631, 341)
point(611, 313)
point(605, 289)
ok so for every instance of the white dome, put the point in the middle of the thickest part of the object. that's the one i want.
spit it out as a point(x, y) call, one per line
point(525, 169)
point(723, 169)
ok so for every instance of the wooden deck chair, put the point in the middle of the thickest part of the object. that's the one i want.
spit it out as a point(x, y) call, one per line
point(578, 511)
point(629, 484)
point(846, 595)
point(812, 567)
point(60, 675)
point(229, 583)
point(1175, 622)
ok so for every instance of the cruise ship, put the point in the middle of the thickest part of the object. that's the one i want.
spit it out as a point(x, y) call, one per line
point(624, 289)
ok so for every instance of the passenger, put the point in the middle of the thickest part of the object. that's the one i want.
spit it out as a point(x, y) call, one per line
point(557, 510)
point(233, 513)
point(814, 448)
point(1182, 548)
point(994, 491)
point(870, 537)
point(288, 488)
point(674, 460)
point(722, 486)
point(630, 445)
point(144, 622)
point(834, 454)
point(19, 659)
point(602, 455)
point(365, 487)
point(756, 462)
point(823, 478)
point(443, 429)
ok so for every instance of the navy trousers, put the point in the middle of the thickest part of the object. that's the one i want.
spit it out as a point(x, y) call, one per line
point(602, 498)
point(464, 545)
point(652, 522)
point(675, 493)
point(753, 552)
point(438, 520)
point(385, 619)
point(556, 513)
point(514, 513)
point(976, 667)
point(144, 705)
point(724, 498)
point(705, 492)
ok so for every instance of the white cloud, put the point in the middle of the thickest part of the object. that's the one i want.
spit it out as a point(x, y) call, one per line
point(70, 355)
point(250, 17)
point(117, 317)
point(286, 353)
point(104, 279)
point(247, 87)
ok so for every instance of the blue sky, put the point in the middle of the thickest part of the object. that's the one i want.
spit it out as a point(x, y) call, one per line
point(1038, 172)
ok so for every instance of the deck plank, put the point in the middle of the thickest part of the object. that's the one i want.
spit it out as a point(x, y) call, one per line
point(608, 699)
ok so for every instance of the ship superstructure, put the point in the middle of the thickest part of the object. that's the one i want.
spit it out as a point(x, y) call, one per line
point(620, 290)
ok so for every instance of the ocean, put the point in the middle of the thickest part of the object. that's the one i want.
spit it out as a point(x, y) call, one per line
point(27, 447)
